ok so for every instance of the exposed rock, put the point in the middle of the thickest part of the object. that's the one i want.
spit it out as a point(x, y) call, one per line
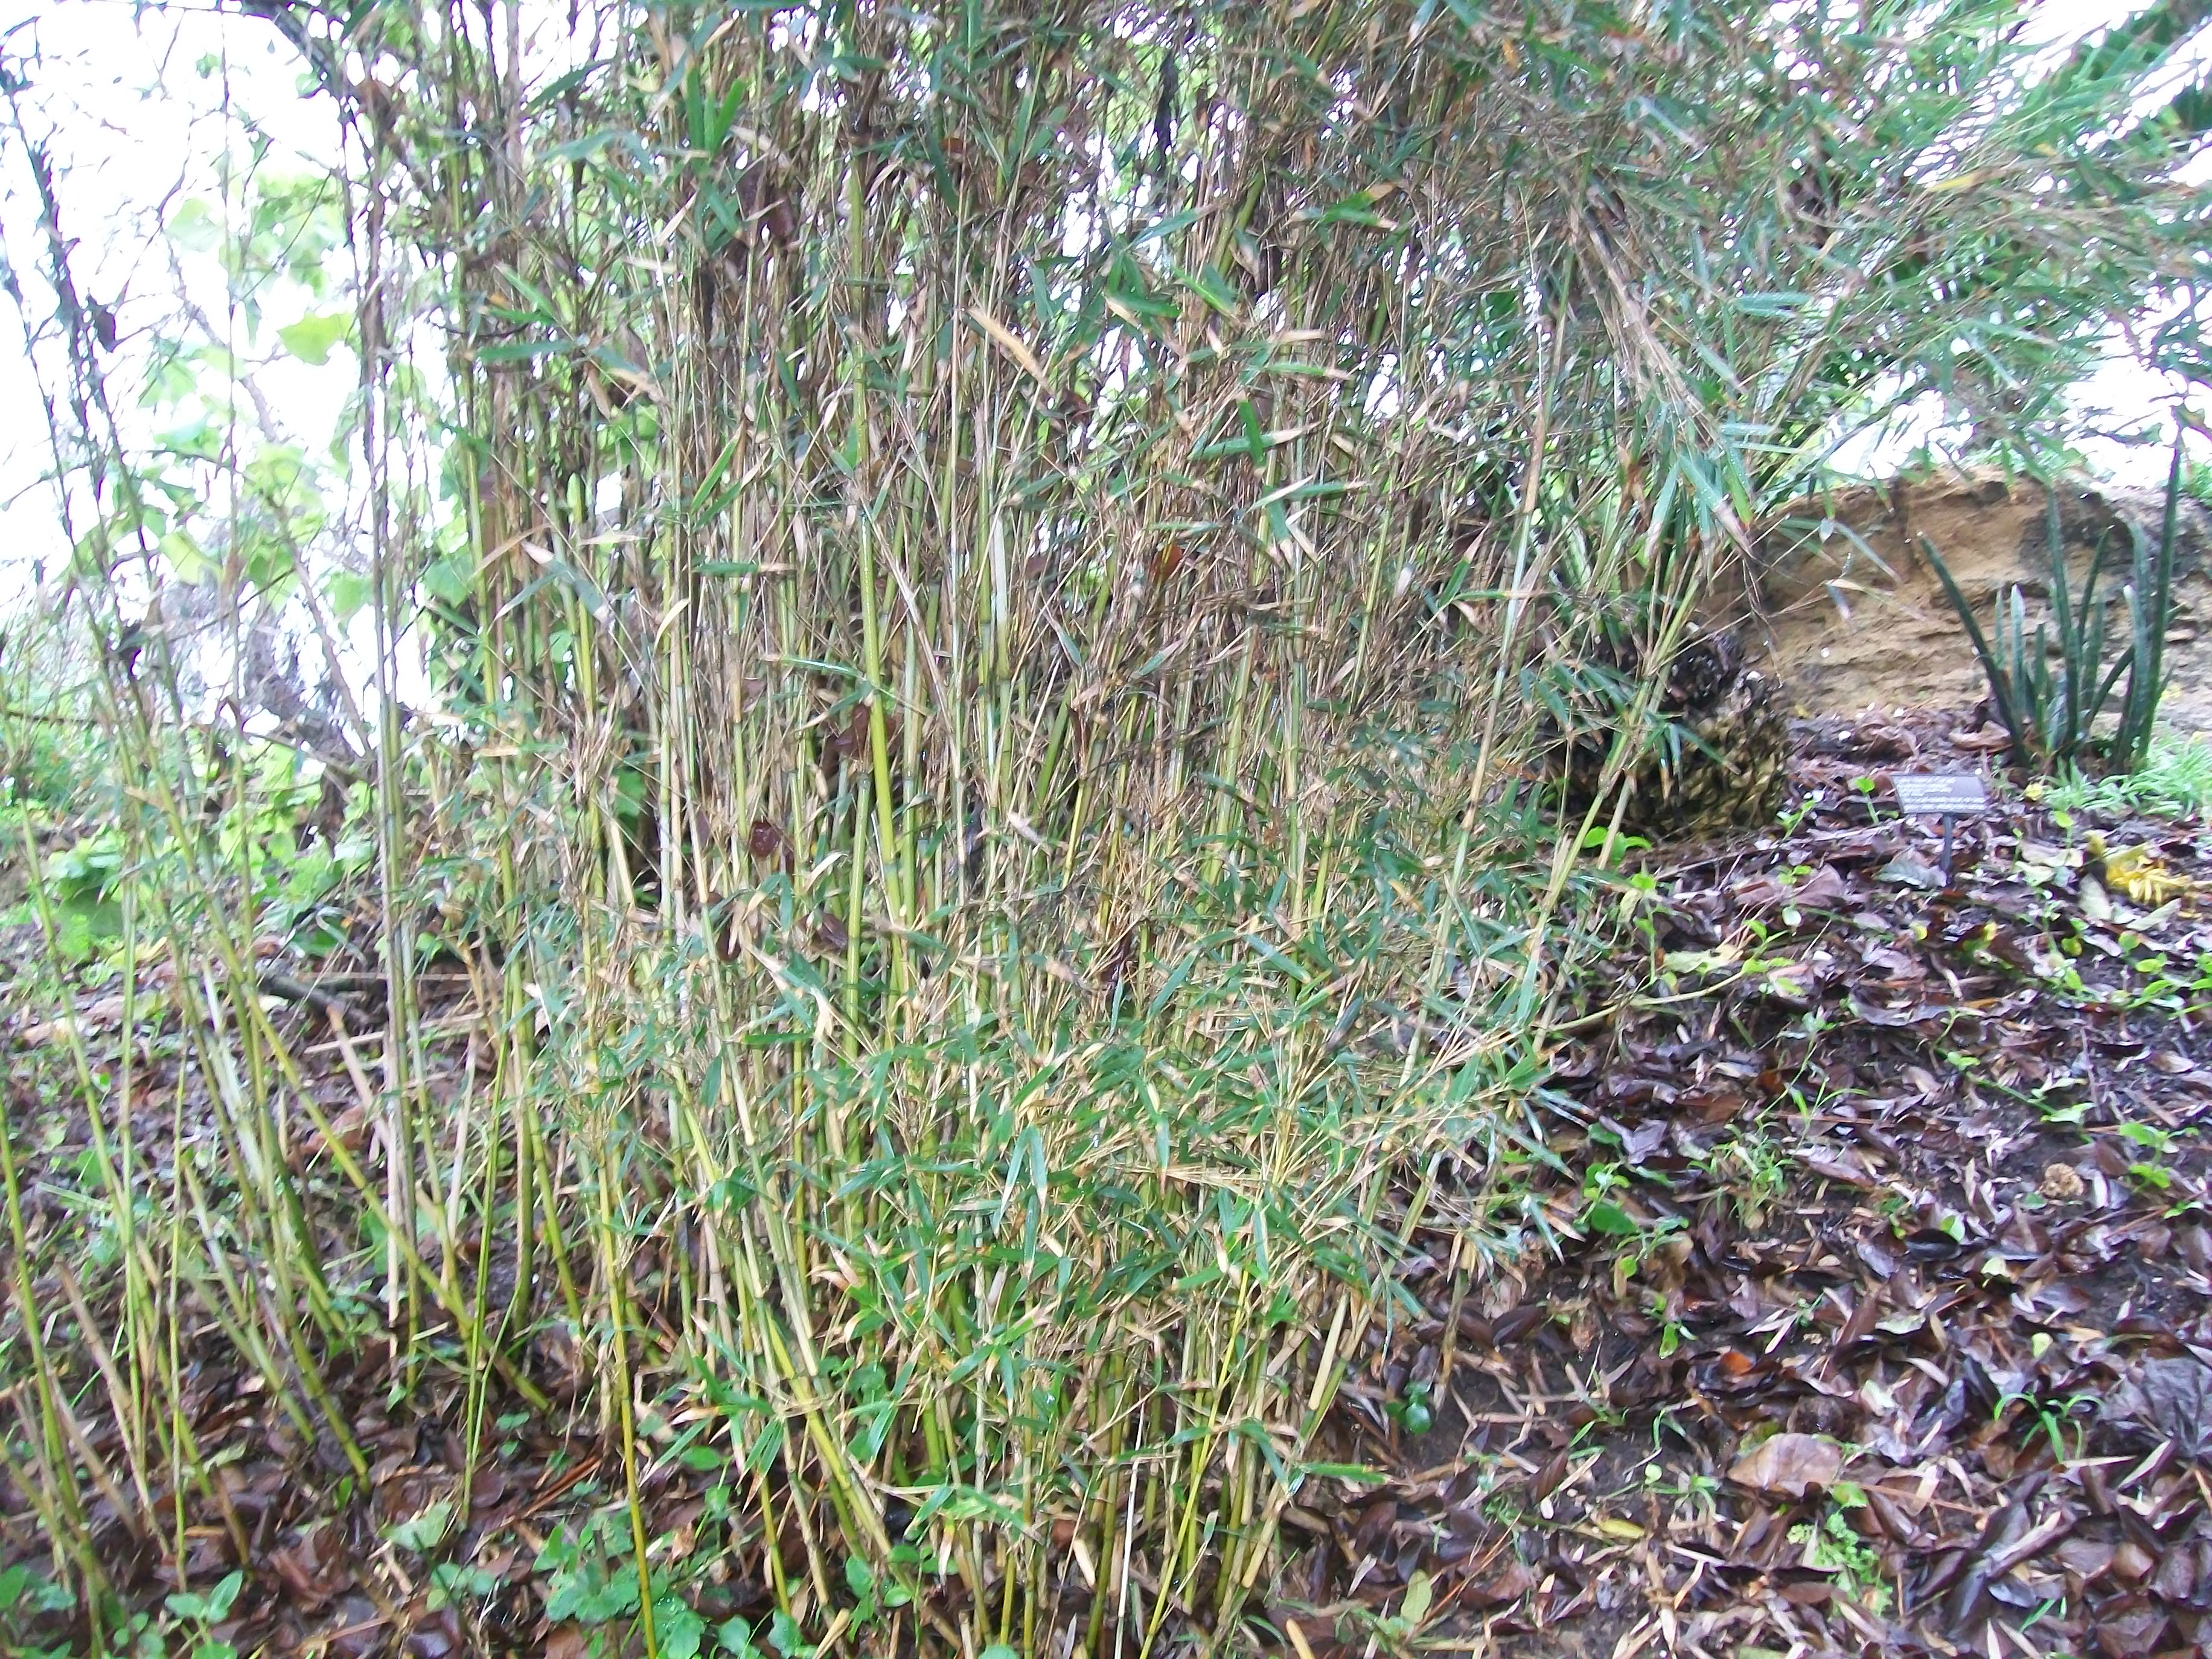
point(1847, 613)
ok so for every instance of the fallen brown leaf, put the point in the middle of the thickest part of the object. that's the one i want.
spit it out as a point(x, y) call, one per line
point(1790, 1464)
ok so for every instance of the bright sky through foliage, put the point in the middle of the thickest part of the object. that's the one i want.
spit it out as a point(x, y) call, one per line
point(139, 103)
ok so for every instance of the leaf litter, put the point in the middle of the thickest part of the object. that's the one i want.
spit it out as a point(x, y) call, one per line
point(1865, 1310)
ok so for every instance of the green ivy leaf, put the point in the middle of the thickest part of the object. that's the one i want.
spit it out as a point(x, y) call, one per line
point(192, 565)
point(421, 1533)
point(194, 228)
point(448, 579)
point(311, 338)
point(1606, 1218)
point(349, 593)
point(680, 1630)
point(209, 1607)
point(785, 1638)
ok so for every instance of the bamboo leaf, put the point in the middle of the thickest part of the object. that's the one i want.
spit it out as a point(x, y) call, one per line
point(1008, 341)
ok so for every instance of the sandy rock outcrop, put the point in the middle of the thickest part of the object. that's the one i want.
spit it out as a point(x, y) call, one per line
point(1848, 614)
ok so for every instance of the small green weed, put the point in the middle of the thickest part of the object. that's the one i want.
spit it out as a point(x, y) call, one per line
point(2175, 782)
point(1603, 1217)
point(1698, 1493)
point(1414, 1413)
point(1834, 1545)
point(1754, 1171)
point(2053, 1417)
point(592, 1583)
point(207, 1608)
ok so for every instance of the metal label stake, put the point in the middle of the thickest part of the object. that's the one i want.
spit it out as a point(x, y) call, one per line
point(1948, 795)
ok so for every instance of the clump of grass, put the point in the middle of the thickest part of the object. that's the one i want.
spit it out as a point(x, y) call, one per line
point(2174, 781)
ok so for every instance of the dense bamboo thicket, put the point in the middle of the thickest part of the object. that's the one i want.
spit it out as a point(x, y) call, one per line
point(991, 571)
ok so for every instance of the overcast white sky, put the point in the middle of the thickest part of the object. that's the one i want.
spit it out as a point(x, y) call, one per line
point(140, 132)
point(137, 132)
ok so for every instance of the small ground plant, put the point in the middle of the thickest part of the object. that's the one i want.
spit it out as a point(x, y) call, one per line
point(2052, 717)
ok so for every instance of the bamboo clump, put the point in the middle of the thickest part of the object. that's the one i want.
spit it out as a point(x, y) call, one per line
point(991, 571)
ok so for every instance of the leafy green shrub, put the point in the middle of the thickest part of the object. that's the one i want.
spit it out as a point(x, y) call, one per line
point(84, 878)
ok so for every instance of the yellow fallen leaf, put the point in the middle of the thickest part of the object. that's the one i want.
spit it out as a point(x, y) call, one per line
point(1615, 1527)
point(2141, 875)
point(2094, 903)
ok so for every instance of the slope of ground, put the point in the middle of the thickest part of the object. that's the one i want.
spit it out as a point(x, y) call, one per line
point(1877, 1317)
